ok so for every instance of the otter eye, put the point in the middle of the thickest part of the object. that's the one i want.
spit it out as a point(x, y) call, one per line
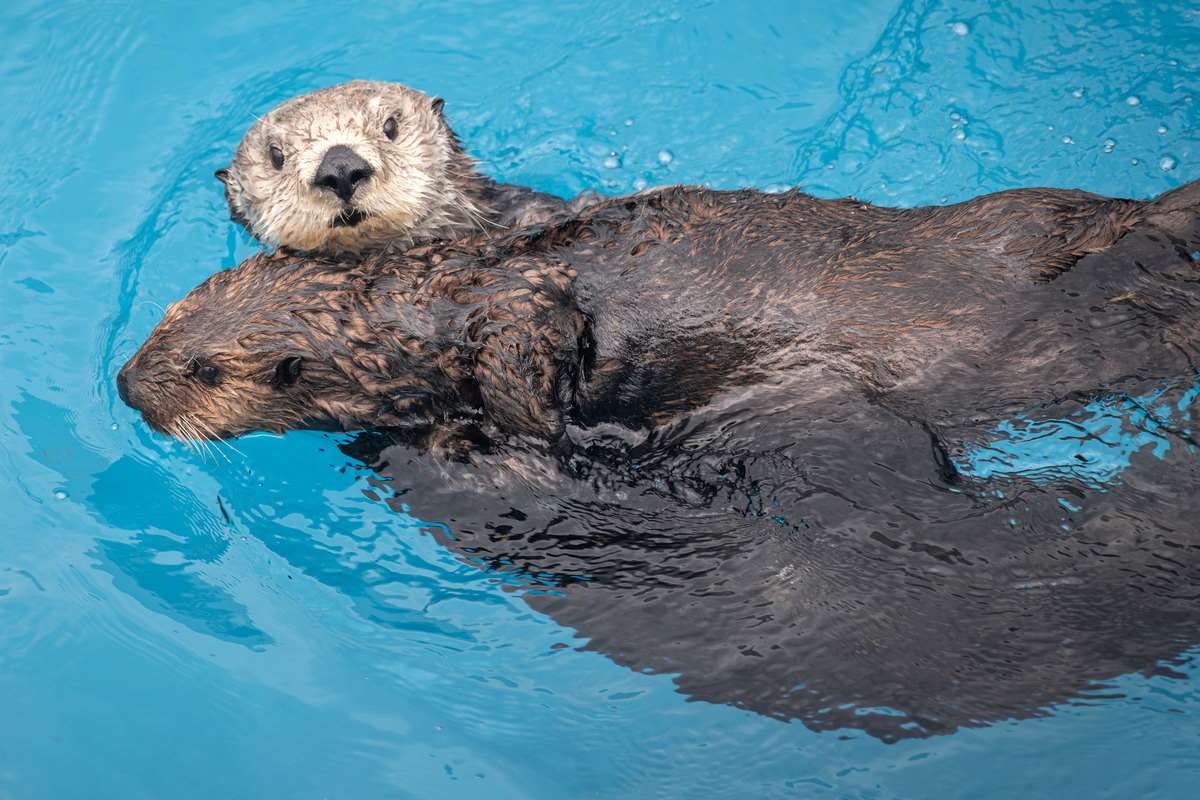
point(287, 372)
point(389, 128)
point(276, 153)
point(208, 374)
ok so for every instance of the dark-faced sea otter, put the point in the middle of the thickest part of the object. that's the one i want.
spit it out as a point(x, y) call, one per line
point(362, 164)
point(630, 311)
point(734, 433)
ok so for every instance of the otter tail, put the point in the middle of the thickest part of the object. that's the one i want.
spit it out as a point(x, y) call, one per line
point(1177, 212)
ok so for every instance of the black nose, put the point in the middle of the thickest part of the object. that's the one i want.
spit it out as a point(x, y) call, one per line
point(123, 384)
point(341, 171)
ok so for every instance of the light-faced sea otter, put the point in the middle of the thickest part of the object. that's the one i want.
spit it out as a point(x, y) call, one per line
point(356, 166)
point(734, 432)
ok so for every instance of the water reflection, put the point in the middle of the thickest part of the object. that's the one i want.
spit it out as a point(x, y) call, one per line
point(884, 562)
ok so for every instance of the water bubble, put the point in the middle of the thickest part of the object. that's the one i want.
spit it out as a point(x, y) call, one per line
point(1162, 130)
point(1109, 145)
point(960, 28)
point(1068, 140)
point(665, 157)
point(612, 162)
point(959, 135)
point(612, 132)
point(1078, 93)
point(1133, 100)
point(629, 122)
point(60, 494)
point(1133, 161)
point(639, 184)
point(113, 426)
point(1167, 163)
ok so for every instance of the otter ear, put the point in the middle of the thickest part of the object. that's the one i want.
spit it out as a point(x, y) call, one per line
point(287, 372)
point(438, 104)
point(222, 175)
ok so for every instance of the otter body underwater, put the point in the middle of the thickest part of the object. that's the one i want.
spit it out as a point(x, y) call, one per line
point(354, 167)
point(764, 412)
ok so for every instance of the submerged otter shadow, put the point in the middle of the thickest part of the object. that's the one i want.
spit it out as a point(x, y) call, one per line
point(886, 564)
point(864, 586)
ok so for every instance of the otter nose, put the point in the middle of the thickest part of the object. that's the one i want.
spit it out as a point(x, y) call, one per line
point(123, 383)
point(341, 171)
point(129, 386)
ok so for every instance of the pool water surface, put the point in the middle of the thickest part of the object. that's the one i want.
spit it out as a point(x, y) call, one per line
point(261, 624)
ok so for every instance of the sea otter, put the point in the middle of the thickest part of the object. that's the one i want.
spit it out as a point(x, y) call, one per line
point(633, 310)
point(355, 166)
point(735, 432)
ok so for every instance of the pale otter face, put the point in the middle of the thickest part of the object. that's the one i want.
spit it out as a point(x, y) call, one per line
point(278, 344)
point(344, 169)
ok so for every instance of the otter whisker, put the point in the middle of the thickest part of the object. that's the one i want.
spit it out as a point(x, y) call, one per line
point(197, 442)
point(217, 441)
point(159, 306)
point(179, 432)
point(204, 441)
point(192, 441)
point(474, 214)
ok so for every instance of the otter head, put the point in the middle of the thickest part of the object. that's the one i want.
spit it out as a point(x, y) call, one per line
point(284, 342)
point(349, 168)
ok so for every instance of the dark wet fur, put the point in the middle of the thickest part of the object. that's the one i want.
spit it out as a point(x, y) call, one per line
point(756, 402)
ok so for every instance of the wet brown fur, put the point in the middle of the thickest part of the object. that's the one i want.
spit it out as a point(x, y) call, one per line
point(633, 310)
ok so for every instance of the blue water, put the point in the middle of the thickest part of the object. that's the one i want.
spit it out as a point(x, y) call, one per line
point(1092, 446)
point(265, 627)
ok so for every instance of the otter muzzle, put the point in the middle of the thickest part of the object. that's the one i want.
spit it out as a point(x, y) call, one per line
point(342, 171)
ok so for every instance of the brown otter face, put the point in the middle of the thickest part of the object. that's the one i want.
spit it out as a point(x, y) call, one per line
point(346, 169)
point(275, 344)
point(288, 341)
